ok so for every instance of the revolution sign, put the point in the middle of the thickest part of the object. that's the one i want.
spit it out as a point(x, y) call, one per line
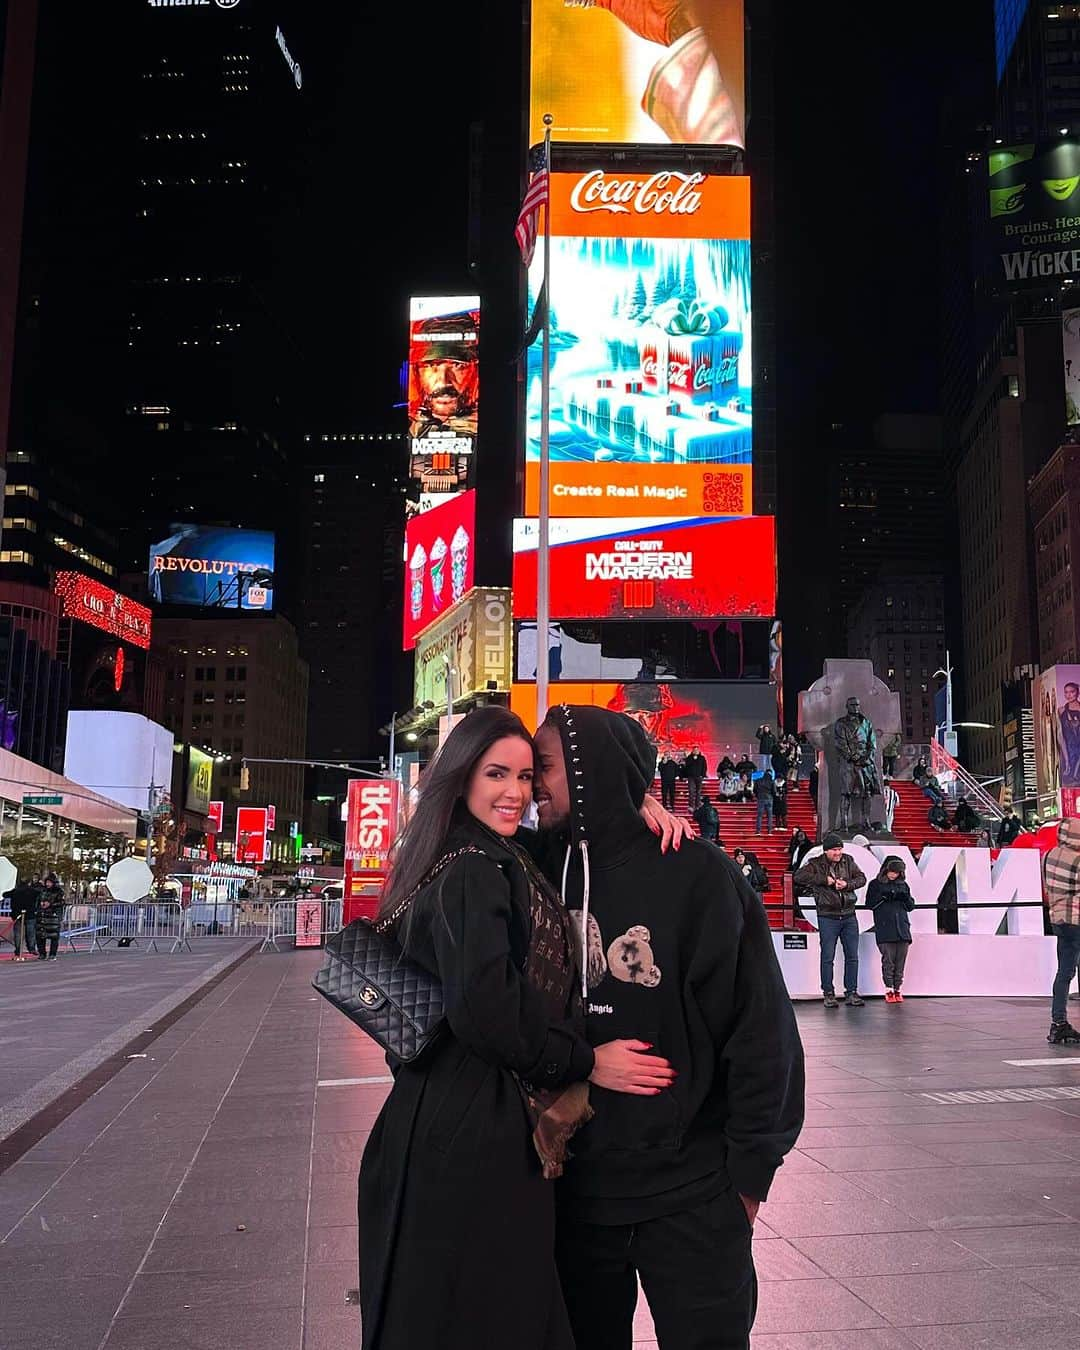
point(650, 569)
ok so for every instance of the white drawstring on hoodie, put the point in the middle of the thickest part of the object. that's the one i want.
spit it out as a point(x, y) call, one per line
point(584, 847)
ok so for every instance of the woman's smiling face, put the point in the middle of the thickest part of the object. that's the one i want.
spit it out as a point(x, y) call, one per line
point(500, 785)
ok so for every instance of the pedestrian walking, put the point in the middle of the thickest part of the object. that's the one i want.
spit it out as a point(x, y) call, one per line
point(1008, 829)
point(780, 802)
point(24, 897)
point(1061, 878)
point(665, 1190)
point(890, 753)
point(889, 896)
point(833, 879)
point(50, 918)
point(669, 777)
point(456, 1206)
point(695, 769)
point(891, 800)
point(765, 796)
point(708, 820)
point(767, 743)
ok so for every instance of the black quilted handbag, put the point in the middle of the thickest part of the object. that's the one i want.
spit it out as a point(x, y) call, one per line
point(365, 975)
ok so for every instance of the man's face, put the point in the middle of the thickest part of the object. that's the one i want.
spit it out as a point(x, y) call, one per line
point(1072, 692)
point(551, 791)
point(835, 854)
point(853, 707)
point(448, 387)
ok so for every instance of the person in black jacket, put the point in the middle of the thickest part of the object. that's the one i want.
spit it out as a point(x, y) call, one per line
point(677, 947)
point(749, 864)
point(50, 917)
point(1008, 829)
point(964, 818)
point(708, 821)
point(669, 776)
point(889, 896)
point(695, 769)
point(456, 1208)
point(25, 897)
point(799, 846)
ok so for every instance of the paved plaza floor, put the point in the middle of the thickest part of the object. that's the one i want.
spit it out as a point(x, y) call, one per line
point(204, 1196)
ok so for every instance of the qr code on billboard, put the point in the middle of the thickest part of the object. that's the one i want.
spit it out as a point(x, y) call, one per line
point(722, 494)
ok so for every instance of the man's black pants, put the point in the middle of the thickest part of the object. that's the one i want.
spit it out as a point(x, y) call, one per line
point(695, 1268)
point(667, 796)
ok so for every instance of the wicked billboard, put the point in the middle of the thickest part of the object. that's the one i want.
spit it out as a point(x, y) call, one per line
point(1035, 211)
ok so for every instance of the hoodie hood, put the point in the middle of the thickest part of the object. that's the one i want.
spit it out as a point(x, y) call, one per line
point(893, 864)
point(1069, 834)
point(610, 765)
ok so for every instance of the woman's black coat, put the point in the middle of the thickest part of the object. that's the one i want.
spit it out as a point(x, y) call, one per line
point(456, 1220)
point(50, 911)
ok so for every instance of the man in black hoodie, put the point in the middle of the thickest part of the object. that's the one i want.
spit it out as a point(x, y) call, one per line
point(677, 953)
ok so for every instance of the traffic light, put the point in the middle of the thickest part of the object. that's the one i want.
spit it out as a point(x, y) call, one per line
point(245, 778)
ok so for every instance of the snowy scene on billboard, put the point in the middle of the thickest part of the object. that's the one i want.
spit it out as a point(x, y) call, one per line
point(444, 390)
point(648, 569)
point(650, 336)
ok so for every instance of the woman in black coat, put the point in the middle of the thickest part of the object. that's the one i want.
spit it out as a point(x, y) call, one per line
point(50, 917)
point(456, 1204)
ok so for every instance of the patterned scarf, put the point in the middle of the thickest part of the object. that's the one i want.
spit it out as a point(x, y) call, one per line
point(551, 969)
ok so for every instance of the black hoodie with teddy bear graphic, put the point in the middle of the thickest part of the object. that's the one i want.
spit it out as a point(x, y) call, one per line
point(678, 953)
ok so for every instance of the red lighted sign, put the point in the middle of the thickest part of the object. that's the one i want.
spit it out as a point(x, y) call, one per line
point(371, 823)
point(439, 562)
point(90, 602)
point(214, 817)
point(251, 835)
point(651, 569)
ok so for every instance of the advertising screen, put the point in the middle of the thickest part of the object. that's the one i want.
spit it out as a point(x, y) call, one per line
point(444, 390)
point(200, 781)
point(470, 647)
point(650, 569)
point(439, 562)
point(1070, 343)
point(628, 72)
point(372, 821)
point(719, 718)
point(650, 369)
point(122, 755)
point(1035, 211)
point(1056, 699)
point(91, 602)
point(695, 649)
point(213, 567)
point(251, 835)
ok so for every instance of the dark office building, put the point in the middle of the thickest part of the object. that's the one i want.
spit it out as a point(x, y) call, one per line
point(351, 504)
point(33, 698)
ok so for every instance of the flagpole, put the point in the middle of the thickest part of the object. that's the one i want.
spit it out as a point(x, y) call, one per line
point(542, 543)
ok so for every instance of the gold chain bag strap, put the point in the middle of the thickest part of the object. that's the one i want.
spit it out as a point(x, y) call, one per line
point(366, 976)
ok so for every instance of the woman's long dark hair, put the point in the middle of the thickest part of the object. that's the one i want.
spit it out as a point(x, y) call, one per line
point(423, 841)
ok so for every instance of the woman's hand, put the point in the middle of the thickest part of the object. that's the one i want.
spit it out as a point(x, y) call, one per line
point(623, 1066)
point(671, 830)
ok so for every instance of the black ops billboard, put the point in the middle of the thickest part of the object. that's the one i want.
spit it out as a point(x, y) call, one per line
point(1035, 211)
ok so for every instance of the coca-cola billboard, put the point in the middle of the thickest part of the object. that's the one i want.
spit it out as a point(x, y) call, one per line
point(651, 407)
point(631, 73)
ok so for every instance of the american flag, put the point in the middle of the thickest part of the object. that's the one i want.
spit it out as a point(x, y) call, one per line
point(536, 196)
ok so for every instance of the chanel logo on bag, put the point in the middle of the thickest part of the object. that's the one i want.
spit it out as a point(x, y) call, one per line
point(369, 995)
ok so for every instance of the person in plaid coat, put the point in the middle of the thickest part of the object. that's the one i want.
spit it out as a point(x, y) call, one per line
point(1061, 877)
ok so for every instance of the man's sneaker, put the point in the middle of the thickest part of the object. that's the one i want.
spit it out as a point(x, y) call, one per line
point(830, 1001)
point(897, 996)
point(854, 1001)
point(890, 996)
point(1063, 1034)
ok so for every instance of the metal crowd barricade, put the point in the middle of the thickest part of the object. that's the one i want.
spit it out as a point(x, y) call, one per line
point(303, 922)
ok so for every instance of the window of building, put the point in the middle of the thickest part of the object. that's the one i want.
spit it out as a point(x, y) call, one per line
point(21, 490)
point(19, 523)
point(16, 555)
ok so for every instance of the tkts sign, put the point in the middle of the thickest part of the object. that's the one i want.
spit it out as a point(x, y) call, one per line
point(668, 204)
point(372, 823)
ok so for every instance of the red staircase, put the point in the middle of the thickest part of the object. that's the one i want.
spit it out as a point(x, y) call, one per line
point(911, 828)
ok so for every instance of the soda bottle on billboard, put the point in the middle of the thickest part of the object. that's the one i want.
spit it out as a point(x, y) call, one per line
point(459, 563)
point(438, 572)
point(417, 564)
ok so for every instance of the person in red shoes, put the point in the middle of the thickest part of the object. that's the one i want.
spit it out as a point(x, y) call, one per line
point(889, 896)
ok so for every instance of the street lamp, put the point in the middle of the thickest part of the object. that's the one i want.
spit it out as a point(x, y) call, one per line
point(950, 733)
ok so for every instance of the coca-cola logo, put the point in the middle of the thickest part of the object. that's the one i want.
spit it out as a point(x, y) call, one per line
point(668, 192)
